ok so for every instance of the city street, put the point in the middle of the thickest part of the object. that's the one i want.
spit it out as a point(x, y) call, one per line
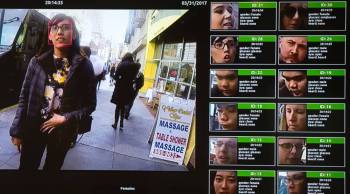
point(103, 148)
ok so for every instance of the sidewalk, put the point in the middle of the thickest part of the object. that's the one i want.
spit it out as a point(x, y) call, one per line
point(103, 148)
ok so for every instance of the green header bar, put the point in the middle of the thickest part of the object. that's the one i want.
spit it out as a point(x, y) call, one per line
point(327, 140)
point(334, 106)
point(329, 174)
point(261, 72)
point(327, 4)
point(339, 38)
point(326, 72)
point(256, 173)
point(266, 38)
point(256, 139)
point(257, 5)
point(257, 106)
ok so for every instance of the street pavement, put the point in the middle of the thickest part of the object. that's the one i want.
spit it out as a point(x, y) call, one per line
point(103, 148)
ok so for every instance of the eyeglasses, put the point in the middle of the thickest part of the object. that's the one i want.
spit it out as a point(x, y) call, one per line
point(296, 179)
point(289, 146)
point(221, 45)
point(63, 27)
point(290, 11)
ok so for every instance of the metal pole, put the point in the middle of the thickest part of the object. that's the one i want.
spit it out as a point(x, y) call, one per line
point(1, 22)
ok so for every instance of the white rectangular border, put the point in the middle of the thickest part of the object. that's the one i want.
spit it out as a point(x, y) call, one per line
point(279, 13)
point(240, 97)
point(248, 64)
point(230, 165)
point(244, 131)
point(291, 132)
point(310, 64)
point(305, 165)
point(345, 70)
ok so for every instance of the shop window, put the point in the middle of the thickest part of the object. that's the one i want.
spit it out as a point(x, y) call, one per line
point(193, 93)
point(172, 51)
point(170, 87)
point(164, 70)
point(182, 90)
point(173, 71)
point(190, 51)
point(161, 85)
point(186, 72)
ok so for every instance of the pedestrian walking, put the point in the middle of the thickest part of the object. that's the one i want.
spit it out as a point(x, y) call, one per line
point(124, 75)
point(58, 94)
point(137, 85)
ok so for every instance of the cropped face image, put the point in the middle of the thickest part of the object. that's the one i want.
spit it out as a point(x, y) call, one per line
point(225, 182)
point(292, 49)
point(296, 182)
point(294, 117)
point(223, 16)
point(293, 16)
point(293, 84)
point(226, 83)
point(290, 151)
point(224, 151)
point(223, 49)
point(61, 33)
point(227, 116)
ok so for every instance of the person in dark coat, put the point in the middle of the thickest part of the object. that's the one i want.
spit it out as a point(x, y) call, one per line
point(124, 75)
point(57, 93)
point(137, 85)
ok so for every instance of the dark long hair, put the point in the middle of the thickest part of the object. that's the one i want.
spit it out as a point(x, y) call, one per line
point(60, 17)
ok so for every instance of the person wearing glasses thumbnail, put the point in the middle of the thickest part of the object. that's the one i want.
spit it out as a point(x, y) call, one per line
point(227, 116)
point(226, 83)
point(223, 49)
point(293, 117)
point(293, 16)
point(223, 182)
point(292, 49)
point(225, 151)
point(296, 182)
point(290, 151)
point(224, 16)
point(58, 93)
point(293, 83)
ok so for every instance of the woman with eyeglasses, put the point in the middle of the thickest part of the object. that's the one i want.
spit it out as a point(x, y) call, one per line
point(223, 49)
point(58, 93)
point(224, 16)
point(293, 16)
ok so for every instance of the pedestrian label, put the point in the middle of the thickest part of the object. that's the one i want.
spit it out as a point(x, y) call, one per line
point(172, 129)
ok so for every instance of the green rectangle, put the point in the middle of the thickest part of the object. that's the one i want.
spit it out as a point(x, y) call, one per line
point(256, 106)
point(326, 72)
point(257, 5)
point(266, 38)
point(261, 72)
point(256, 173)
point(324, 175)
point(332, 106)
point(326, 4)
point(325, 140)
point(339, 38)
point(256, 139)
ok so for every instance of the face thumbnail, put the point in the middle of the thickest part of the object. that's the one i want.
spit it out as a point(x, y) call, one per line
point(295, 82)
point(225, 182)
point(225, 149)
point(222, 16)
point(227, 82)
point(227, 116)
point(290, 151)
point(295, 117)
point(61, 34)
point(293, 16)
point(296, 182)
point(293, 49)
point(223, 50)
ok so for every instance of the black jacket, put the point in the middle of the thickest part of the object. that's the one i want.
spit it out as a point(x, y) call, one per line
point(78, 100)
point(124, 76)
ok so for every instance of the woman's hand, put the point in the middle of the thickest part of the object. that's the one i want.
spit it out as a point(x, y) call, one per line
point(17, 142)
point(52, 123)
